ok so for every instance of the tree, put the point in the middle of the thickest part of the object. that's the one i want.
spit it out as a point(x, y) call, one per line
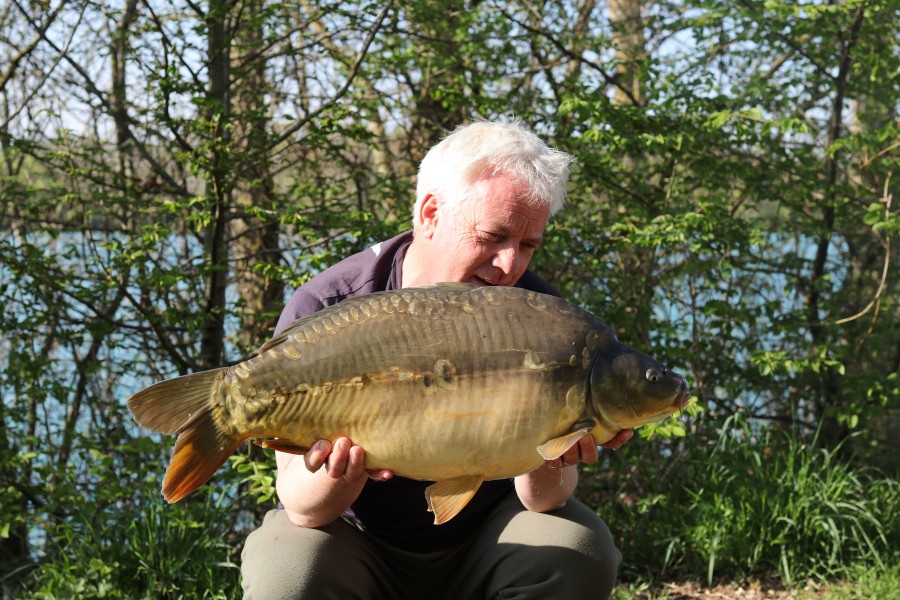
point(172, 170)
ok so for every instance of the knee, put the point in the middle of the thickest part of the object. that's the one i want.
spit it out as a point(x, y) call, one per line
point(593, 540)
point(269, 567)
point(600, 559)
point(571, 551)
point(281, 560)
point(586, 558)
point(596, 552)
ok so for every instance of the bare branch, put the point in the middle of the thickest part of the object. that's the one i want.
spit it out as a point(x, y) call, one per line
point(350, 77)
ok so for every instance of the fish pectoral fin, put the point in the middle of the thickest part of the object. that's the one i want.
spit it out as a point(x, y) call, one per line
point(556, 447)
point(446, 498)
point(282, 446)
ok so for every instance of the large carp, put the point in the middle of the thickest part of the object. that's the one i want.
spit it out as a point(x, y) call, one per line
point(452, 383)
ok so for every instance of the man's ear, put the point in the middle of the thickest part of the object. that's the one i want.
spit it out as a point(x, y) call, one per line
point(428, 215)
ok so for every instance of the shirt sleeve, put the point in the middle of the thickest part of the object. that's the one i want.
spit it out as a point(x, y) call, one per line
point(301, 304)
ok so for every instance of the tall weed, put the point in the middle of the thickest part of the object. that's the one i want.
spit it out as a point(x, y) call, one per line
point(160, 551)
point(758, 502)
point(770, 502)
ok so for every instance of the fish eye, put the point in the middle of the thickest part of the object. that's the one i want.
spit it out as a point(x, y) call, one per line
point(652, 375)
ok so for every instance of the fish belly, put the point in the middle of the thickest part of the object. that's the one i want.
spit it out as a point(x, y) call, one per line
point(485, 427)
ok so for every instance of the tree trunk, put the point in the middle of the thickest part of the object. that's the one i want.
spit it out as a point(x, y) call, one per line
point(218, 186)
point(255, 231)
point(829, 384)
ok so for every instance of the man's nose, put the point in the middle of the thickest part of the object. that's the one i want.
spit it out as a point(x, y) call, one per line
point(508, 260)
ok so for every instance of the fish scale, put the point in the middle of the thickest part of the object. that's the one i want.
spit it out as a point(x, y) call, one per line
point(453, 383)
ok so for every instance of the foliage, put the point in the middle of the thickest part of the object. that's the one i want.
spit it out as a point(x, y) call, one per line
point(170, 171)
point(156, 552)
point(757, 502)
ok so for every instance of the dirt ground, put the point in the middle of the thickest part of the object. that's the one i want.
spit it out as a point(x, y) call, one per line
point(751, 591)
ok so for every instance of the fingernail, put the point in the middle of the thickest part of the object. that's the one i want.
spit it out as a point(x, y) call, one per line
point(321, 446)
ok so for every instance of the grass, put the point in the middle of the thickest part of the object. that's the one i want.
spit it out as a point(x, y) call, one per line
point(796, 509)
point(757, 505)
point(179, 551)
point(860, 584)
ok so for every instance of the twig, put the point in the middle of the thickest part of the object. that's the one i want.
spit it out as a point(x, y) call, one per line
point(887, 261)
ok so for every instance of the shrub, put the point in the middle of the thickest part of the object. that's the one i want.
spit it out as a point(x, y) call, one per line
point(161, 551)
point(756, 502)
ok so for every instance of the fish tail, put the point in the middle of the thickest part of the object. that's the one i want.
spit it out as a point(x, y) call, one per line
point(183, 406)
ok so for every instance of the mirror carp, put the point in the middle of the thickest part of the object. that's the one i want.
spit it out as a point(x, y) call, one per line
point(452, 383)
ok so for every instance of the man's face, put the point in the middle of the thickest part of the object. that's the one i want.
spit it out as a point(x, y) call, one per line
point(488, 240)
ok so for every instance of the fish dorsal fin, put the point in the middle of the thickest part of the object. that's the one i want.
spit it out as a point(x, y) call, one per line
point(556, 447)
point(446, 498)
point(284, 333)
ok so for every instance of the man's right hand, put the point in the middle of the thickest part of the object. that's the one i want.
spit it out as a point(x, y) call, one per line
point(342, 460)
point(314, 496)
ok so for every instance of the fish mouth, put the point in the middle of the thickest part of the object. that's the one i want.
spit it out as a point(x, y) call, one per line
point(683, 398)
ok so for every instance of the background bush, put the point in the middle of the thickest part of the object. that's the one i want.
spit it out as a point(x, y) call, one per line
point(171, 171)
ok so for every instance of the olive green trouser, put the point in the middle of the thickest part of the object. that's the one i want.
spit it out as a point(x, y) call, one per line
point(567, 554)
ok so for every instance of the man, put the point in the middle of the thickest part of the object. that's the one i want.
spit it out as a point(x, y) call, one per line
point(484, 196)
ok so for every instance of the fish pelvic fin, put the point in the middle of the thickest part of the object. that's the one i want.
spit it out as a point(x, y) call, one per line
point(446, 498)
point(282, 446)
point(556, 447)
point(182, 406)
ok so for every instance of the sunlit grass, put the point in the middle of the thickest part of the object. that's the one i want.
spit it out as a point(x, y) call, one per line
point(860, 584)
point(177, 551)
point(759, 504)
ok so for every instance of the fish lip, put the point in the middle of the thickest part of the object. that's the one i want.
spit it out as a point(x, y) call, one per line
point(683, 398)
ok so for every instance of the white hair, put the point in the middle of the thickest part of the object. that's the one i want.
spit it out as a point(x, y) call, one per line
point(483, 149)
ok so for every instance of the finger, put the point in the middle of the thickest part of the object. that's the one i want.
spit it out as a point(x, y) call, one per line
point(338, 459)
point(566, 459)
point(317, 455)
point(619, 439)
point(355, 464)
point(588, 449)
point(380, 474)
point(570, 458)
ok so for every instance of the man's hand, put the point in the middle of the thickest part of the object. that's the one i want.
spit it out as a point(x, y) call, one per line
point(342, 460)
point(586, 450)
point(314, 496)
point(619, 439)
point(550, 485)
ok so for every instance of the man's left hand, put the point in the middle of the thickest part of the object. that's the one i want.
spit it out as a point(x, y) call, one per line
point(586, 450)
point(619, 440)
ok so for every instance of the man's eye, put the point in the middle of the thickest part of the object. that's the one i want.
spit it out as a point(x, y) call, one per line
point(493, 237)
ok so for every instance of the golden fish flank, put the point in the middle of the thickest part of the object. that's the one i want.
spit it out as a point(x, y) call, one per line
point(453, 383)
